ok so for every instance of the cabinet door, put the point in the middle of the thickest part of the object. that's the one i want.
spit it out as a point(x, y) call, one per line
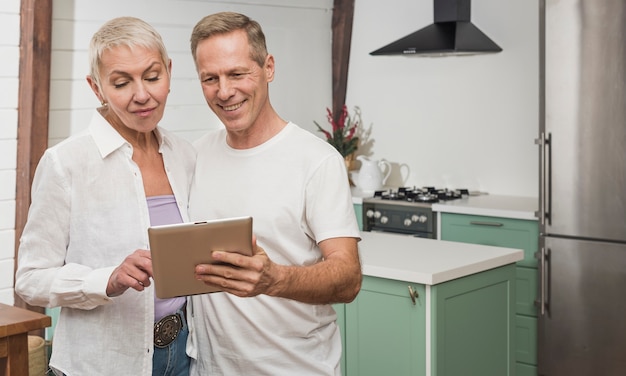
point(385, 330)
point(501, 232)
point(474, 322)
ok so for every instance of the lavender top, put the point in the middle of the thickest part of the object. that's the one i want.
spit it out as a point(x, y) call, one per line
point(164, 211)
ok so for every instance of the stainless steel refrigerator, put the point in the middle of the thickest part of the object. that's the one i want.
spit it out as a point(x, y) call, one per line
point(582, 215)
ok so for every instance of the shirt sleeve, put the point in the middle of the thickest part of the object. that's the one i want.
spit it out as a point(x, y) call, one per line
point(329, 209)
point(43, 278)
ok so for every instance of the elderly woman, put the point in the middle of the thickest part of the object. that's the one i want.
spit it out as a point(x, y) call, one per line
point(84, 247)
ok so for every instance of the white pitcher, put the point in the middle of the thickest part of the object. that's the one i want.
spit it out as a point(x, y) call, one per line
point(370, 176)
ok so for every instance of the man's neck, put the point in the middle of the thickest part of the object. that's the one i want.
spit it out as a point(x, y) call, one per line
point(260, 132)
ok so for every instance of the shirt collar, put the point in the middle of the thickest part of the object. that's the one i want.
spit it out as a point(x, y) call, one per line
point(108, 140)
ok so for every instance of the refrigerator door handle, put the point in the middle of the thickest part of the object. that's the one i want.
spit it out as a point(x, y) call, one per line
point(544, 275)
point(545, 168)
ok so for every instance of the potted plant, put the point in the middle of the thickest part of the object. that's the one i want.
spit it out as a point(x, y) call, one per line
point(343, 135)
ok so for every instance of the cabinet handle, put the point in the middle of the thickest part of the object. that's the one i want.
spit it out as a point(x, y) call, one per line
point(413, 294)
point(481, 223)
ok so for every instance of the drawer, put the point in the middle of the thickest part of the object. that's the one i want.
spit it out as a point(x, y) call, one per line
point(526, 339)
point(522, 369)
point(500, 232)
point(526, 290)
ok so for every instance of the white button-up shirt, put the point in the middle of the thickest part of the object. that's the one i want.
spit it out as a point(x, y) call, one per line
point(88, 212)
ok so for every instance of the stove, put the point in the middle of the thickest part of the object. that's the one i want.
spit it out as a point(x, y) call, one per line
point(406, 210)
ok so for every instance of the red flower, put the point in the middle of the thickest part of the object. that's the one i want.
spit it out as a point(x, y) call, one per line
point(343, 130)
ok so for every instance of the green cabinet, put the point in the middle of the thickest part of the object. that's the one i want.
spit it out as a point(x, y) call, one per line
point(358, 211)
point(474, 324)
point(500, 232)
point(385, 331)
point(511, 233)
point(460, 327)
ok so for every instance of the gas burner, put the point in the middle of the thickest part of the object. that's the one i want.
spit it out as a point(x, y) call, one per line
point(390, 195)
point(425, 197)
point(421, 195)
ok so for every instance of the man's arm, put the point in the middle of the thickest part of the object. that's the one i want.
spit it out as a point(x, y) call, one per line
point(335, 279)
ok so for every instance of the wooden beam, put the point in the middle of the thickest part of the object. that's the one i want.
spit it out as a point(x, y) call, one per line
point(32, 108)
point(343, 14)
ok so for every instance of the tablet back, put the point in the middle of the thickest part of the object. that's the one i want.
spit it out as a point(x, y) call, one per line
point(176, 250)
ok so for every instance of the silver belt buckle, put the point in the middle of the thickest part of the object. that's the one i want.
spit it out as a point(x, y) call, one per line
point(166, 330)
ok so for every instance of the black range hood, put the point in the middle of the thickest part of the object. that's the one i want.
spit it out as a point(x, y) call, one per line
point(452, 34)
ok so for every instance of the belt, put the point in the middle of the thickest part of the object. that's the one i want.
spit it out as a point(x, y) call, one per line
point(168, 328)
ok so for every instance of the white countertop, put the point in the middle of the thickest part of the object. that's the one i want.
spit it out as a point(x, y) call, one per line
point(491, 205)
point(428, 261)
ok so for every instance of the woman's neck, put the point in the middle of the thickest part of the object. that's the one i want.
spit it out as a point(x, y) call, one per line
point(144, 142)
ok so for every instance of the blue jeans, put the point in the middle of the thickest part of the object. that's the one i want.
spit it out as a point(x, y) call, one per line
point(173, 360)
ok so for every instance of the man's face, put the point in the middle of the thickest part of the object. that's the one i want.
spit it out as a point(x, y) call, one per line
point(234, 86)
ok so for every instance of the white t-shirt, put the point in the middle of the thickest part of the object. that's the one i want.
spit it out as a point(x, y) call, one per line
point(295, 186)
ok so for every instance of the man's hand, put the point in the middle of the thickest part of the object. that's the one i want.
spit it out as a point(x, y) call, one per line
point(238, 274)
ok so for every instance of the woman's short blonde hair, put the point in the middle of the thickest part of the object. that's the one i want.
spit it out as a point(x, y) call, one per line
point(123, 31)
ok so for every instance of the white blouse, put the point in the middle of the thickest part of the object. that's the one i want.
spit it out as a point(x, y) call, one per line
point(89, 212)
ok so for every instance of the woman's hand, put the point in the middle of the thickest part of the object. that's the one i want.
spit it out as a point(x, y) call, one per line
point(135, 272)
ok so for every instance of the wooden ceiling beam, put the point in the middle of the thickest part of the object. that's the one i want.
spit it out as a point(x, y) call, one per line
point(343, 14)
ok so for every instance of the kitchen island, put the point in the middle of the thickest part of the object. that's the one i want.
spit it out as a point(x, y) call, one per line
point(428, 261)
point(430, 307)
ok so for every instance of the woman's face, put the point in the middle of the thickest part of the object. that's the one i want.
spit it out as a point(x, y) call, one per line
point(134, 84)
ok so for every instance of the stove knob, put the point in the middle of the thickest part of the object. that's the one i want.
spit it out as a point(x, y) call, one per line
point(369, 213)
point(423, 219)
point(415, 218)
point(378, 214)
point(384, 219)
point(408, 222)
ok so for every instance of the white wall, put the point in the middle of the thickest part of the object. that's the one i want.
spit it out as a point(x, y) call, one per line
point(460, 122)
point(9, 72)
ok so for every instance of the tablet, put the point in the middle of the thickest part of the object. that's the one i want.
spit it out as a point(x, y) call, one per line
point(176, 250)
